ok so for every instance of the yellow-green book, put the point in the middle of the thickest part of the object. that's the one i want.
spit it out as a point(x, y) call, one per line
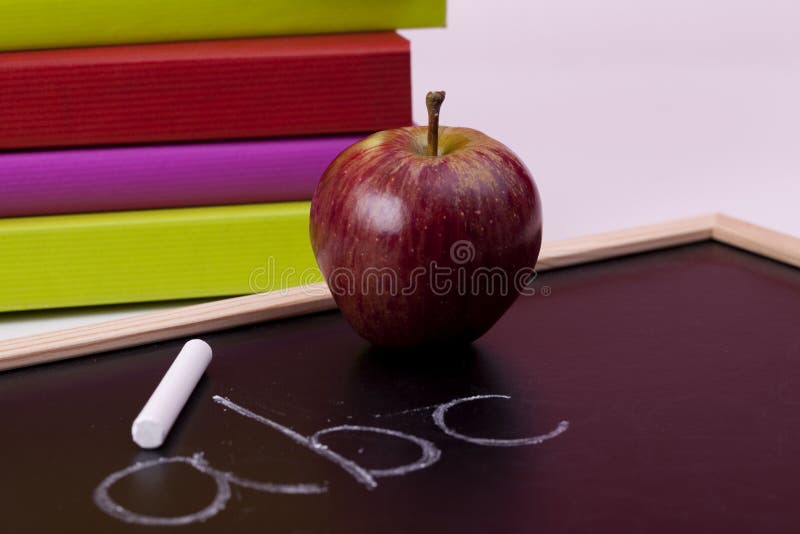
point(137, 256)
point(34, 24)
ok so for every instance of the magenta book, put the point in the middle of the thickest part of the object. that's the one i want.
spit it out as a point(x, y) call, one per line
point(164, 176)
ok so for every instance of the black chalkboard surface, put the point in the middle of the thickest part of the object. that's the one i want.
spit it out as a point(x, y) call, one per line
point(652, 393)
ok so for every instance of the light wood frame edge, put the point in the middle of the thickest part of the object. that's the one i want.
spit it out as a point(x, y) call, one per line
point(249, 309)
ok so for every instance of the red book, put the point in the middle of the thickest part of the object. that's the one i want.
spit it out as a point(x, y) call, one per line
point(208, 90)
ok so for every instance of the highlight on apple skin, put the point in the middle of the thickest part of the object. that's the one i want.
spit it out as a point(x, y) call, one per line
point(421, 247)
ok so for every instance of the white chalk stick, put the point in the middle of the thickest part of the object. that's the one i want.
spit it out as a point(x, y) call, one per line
point(151, 427)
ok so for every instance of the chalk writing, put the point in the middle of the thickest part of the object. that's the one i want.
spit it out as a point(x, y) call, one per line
point(223, 480)
point(429, 455)
point(441, 411)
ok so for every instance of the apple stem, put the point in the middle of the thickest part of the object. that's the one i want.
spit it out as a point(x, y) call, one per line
point(434, 101)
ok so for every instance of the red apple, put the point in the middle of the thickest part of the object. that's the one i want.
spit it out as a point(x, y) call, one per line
point(426, 238)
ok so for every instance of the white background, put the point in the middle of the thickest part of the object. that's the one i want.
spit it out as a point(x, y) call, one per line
point(630, 111)
point(627, 111)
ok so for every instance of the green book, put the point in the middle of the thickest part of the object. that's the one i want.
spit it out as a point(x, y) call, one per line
point(34, 24)
point(138, 256)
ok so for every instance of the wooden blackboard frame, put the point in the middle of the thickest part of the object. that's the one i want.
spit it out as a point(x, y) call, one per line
point(230, 312)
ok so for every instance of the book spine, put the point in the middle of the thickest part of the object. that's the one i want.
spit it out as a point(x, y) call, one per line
point(124, 257)
point(37, 24)
point(213, 90)
point(164, 176)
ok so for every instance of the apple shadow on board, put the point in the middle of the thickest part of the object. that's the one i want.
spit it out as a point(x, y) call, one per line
point(404, 392)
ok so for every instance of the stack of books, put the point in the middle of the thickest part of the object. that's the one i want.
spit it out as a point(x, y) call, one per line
point(158, 149)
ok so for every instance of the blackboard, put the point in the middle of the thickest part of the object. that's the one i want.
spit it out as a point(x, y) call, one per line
point(664, 389)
